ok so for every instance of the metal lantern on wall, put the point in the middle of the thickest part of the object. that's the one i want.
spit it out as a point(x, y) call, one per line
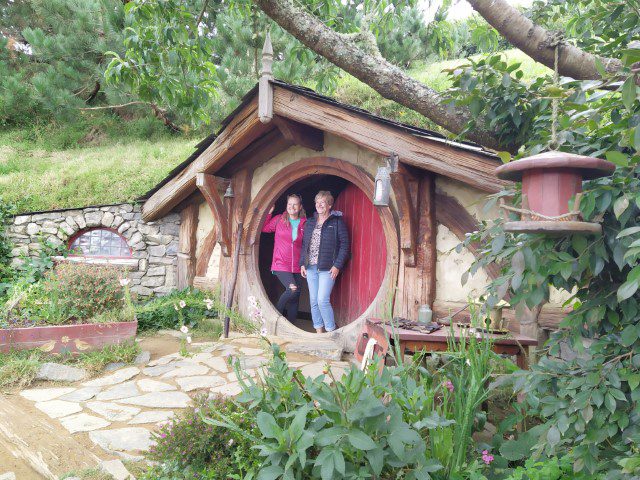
point(549, 181)
point(382, 189)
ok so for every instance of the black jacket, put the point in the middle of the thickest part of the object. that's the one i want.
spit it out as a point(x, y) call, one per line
point(334, 242)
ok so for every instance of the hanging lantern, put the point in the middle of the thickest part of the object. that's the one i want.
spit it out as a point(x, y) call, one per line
point(382, 187)
point(549, 181)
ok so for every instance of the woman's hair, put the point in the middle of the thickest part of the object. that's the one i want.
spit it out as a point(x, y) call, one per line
point(285, 215)
point(326, 195)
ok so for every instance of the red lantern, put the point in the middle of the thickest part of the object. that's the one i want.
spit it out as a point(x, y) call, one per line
point(549, 181)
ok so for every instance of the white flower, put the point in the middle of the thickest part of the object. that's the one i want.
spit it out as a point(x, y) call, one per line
point(176, 307)
point(188, 339)
point(467, 362)
point(230, 442)
point(184, 329)
point(263, 332)
point(124, 282)
point(182, 304)
point(209, 303)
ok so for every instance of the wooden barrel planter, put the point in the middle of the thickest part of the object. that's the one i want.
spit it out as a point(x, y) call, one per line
point(67, 338)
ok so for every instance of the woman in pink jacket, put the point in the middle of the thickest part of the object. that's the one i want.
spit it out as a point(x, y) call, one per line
point(289, 228)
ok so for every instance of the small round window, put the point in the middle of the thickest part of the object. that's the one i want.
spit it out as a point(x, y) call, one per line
point(100, 243)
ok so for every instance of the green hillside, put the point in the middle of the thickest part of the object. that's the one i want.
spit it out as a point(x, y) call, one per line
point(109, 160)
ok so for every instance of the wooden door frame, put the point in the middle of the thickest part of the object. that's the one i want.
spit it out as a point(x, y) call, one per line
point(257, 212)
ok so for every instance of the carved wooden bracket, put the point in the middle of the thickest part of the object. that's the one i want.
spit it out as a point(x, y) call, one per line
point(208, 186)
point(300, 134)
point(400, 179)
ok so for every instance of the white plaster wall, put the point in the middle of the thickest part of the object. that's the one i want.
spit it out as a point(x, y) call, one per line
point(450, 267)
point(333, 147)
point(205, 224)
point(472, 199)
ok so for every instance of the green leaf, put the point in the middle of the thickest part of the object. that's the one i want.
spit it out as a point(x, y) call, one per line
point(628, 231)
point(553, 436)
point(620, 205)
point(514, 450)
point(361, 440)
point(505, 157)
point(627, 289)
point(376, 460)
point(636, 138)
point(618, 158)
point(634, 381)
point(629, 335)
point(629, 92)
point(267, 425)
point(272, 472)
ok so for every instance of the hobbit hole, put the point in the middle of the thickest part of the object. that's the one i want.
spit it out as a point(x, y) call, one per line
point(361, 278)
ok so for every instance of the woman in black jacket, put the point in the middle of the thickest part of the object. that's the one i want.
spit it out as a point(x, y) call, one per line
point(325, 250)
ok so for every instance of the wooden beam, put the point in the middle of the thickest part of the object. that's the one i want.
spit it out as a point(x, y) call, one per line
point(427, 232)
point(208, 185)
point(299, 134)
point(259, 152)
point(242, 130)
point(474, 169)
point(406, 213)
point(186, 267)
point(456, 218)
point(209, 244)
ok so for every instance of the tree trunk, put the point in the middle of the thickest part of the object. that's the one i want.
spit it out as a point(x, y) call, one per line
point(387, 79)
point(539, 44)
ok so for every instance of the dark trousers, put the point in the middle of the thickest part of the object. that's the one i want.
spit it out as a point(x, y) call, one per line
point(289, 299)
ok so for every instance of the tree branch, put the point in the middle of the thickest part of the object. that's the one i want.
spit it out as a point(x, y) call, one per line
point(159, 113)
point(387, 79)
point(538, 43)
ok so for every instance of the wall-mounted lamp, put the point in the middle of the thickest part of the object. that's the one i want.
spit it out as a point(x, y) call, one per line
point(229, 193)
point(382, 190)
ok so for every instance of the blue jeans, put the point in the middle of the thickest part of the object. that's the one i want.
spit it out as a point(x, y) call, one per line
point(320, 286)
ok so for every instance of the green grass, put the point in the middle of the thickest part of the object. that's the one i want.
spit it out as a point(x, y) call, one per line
point(100, 162)
point(18, 368)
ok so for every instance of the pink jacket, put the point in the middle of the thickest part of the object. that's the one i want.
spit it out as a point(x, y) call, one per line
point(286, 253)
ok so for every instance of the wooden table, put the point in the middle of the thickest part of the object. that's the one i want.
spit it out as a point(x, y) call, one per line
point(411, 341)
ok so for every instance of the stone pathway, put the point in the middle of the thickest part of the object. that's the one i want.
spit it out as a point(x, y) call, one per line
point(120, 410)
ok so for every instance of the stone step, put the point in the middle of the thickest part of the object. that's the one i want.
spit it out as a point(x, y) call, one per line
point(325, 349)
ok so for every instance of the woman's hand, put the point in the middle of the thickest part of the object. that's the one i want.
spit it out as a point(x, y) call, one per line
point(303, 271)
point(334, 272)
point(271, 209)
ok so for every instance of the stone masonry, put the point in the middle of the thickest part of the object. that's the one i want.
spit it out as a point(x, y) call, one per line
point(154, 245)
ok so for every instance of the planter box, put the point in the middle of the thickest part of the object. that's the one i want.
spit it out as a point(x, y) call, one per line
point(67, 338)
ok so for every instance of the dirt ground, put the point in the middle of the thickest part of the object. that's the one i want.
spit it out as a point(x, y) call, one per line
point(34, 448)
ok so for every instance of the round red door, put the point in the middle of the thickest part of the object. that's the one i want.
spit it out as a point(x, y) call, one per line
point(360, 280)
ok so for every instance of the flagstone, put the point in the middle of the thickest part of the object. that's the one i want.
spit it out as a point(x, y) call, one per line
point(83, 422)
point(298, 364)
point(313, 370)
point(253, 362)
point(124, 390)
point(202, 357)
point(82, 394)
point(148, 385)
point(202, 381)
point(116, 469)
point(113, 411)
point(162, 360)
point(152, 416)
point(45, 394)
point(60, 373)
point(229, 389)
point(160, 400)
point(251, 351)
point(58, 408)
point(157, 370)
point(251, 373)
point(118, 376)
point(188, 371)
point(217, 363)
point(142, 358)
point(123, 439)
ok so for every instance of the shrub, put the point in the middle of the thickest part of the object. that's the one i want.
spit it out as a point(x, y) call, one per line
point(161, 312)
point(549, 469)
point(77, 291)
point(187, 447)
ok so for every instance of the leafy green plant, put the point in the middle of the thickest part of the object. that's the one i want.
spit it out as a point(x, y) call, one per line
point(553, 468)
point(168, 313)
point(401, 422)
point(7, 273)
point(188, 447)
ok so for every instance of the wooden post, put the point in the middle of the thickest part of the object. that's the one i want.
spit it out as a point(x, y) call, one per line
point(265, 89)
point(186, 268)
point(208, 185)
point(427, 232)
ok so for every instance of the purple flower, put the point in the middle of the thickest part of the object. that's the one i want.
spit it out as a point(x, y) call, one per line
point(486, 457)
point(449, 385)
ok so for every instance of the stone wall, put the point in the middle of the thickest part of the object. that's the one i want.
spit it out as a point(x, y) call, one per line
point(154, 245)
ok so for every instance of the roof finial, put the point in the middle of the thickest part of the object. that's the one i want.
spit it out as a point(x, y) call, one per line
point(265, 89)
point(267, 57)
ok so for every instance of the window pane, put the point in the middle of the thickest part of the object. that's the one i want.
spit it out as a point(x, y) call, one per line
point(100, 242)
